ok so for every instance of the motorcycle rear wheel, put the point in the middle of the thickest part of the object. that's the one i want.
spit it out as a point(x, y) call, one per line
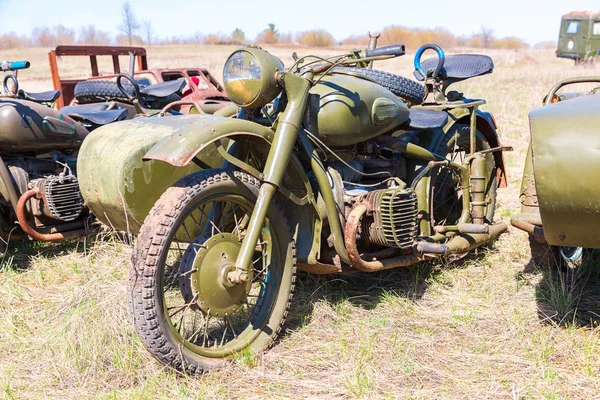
point(184, 311)
point(446, 186)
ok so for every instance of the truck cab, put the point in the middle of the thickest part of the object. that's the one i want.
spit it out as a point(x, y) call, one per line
point(579, 37)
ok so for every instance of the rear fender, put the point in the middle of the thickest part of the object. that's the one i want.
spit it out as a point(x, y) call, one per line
point(485, 125)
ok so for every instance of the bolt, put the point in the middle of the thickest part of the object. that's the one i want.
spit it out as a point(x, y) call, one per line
point(224, 256)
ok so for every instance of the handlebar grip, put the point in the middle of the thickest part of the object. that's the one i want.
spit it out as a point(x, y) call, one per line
point(395, 50)
point(14, 65)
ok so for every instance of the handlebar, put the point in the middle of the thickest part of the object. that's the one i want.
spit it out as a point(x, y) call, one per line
point(14, 65)
point(395, 50)
point(136, 86)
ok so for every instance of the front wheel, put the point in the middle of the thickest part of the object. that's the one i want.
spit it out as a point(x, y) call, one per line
point(185, 312)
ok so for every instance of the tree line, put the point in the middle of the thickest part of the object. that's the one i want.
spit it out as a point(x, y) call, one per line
point(135, 32)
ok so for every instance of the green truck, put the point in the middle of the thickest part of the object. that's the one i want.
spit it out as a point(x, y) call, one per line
point(579, 37)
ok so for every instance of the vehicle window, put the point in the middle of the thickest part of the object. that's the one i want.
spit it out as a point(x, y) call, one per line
point(202, 85)
point(573, 27)
point(143, 81)
point(145, 78)
point(171, 76)
point(597, 28)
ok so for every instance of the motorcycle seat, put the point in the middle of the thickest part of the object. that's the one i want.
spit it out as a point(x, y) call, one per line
point(163, 89)
point(44, 97)
point(84, 108)
point(426, 119)
point(95, 117)
point(458, 67)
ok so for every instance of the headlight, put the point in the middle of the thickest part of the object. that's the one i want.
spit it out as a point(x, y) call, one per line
point(249, 77)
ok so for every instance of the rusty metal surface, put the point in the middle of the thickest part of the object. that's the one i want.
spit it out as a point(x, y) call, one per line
point(214, 89)
point(378, 261)
point(58, 234)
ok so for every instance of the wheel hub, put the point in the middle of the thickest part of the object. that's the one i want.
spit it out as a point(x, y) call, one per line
point(203, 271)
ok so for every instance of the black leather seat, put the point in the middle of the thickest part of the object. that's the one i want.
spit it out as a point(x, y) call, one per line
point(458, 67)
point(44, 97)
point(426, 119)
point(96, 114)
point(163, 89)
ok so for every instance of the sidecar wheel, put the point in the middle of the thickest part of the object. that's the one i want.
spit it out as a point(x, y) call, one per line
point(545, 255)
point(408, 90)
point(186, 314)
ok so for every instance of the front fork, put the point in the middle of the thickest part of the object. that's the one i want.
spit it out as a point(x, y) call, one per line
point(280, 153)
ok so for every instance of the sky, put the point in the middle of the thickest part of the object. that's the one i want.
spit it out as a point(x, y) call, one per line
point(533, 21)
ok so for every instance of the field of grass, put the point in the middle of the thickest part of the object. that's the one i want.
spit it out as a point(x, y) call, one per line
point(492, 326)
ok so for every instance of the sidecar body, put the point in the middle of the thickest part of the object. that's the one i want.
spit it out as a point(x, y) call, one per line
point(560, 194)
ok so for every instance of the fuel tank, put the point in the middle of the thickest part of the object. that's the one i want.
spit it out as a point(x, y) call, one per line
point(345, 110)
point(26, 126)
point(566, 165)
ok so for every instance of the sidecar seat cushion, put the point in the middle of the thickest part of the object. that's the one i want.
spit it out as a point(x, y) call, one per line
point(163, 89)
point(84, 108)
point(100, 117)
point(44, 97)
point(459, 67)
point(426, 119)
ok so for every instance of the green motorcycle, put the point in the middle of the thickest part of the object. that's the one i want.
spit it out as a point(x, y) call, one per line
point(329, 167)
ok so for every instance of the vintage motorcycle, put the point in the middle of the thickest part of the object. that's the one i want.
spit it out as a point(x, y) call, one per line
point(559, 206)
point(329, 167)
point(40, 198)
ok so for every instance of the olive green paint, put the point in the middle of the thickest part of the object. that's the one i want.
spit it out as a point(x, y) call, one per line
point(566, 161)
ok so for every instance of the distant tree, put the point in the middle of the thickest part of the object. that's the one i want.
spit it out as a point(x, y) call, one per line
point(90, 35)
point(269, 35)
point(147, 25)
point(550, 44)
point(124, 40)
point(487, 37)
point(13, 41)
point(238, 36)
point(285, 38)
point(319, 37)
point(129, 24)
point(42, 36)
point(64, 35)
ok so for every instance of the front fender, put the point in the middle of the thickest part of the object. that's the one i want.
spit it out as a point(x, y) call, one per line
point(194, 134)
point(190, 138)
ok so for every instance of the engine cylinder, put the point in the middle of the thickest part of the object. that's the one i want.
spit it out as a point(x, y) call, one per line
point(394, 218)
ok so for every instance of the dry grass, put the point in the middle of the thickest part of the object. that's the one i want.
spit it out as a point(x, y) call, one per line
point(481, 329)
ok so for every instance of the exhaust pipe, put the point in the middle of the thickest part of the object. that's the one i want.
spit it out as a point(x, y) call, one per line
point(55, 233)
point(378, 260)
point(536, 231)
point(466, 242)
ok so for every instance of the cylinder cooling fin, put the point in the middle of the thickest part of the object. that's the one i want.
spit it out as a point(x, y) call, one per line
point(62, 197)
point(394, 218)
